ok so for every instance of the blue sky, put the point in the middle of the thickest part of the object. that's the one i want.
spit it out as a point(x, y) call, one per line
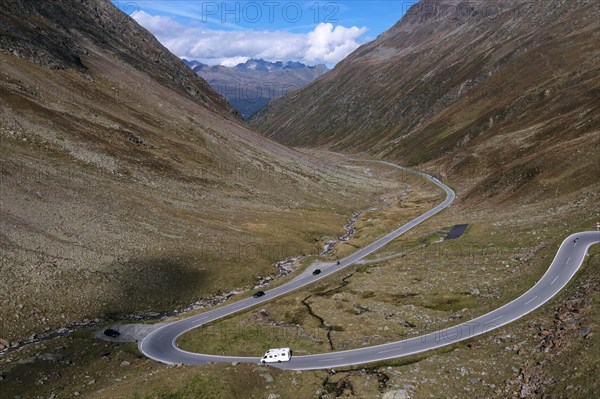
point(228, 32)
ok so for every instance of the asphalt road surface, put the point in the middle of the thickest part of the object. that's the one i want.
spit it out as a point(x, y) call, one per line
point(161, 344)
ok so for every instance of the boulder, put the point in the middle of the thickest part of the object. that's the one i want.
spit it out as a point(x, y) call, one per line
point(396, 394)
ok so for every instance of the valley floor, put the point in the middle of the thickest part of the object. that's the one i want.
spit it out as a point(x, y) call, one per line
point(406, 289)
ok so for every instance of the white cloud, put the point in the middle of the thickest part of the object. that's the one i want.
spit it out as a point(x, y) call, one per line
point(159, 26)
point(330, 45)
point(231, 62)
point(325, 44)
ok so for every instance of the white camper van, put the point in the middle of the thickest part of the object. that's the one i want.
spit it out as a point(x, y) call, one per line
point(277, 355)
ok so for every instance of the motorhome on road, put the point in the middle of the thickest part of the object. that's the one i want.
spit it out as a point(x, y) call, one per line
point(277, 355)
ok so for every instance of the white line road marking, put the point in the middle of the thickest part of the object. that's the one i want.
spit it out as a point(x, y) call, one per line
point(497, 318)
point(568, 259)
point(529, 301)
point(332, 360)
point(553, 281)
point(390, 350)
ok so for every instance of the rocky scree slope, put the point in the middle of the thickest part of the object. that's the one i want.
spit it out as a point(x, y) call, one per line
point(55, 34)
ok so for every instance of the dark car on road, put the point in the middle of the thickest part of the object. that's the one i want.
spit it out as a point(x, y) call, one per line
point(109, 332)
point(316, 271)
point(258, 294)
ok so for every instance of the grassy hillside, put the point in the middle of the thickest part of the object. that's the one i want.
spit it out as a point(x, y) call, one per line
point(127, 183)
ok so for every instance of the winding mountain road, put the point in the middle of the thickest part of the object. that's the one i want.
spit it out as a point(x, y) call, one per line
point(161, 344)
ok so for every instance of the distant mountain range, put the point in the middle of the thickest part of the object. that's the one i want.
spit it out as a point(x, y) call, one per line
point(251, 85)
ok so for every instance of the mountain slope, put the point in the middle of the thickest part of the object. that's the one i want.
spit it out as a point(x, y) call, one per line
point(504, 91)
point(55, 34)
point(127, 183)
point(251, 85)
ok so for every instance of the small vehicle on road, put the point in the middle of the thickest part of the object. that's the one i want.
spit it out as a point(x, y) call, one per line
point(109, 332)
point(316, 271)
point(277, 355)
point(258, 294)
point(575, 240)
